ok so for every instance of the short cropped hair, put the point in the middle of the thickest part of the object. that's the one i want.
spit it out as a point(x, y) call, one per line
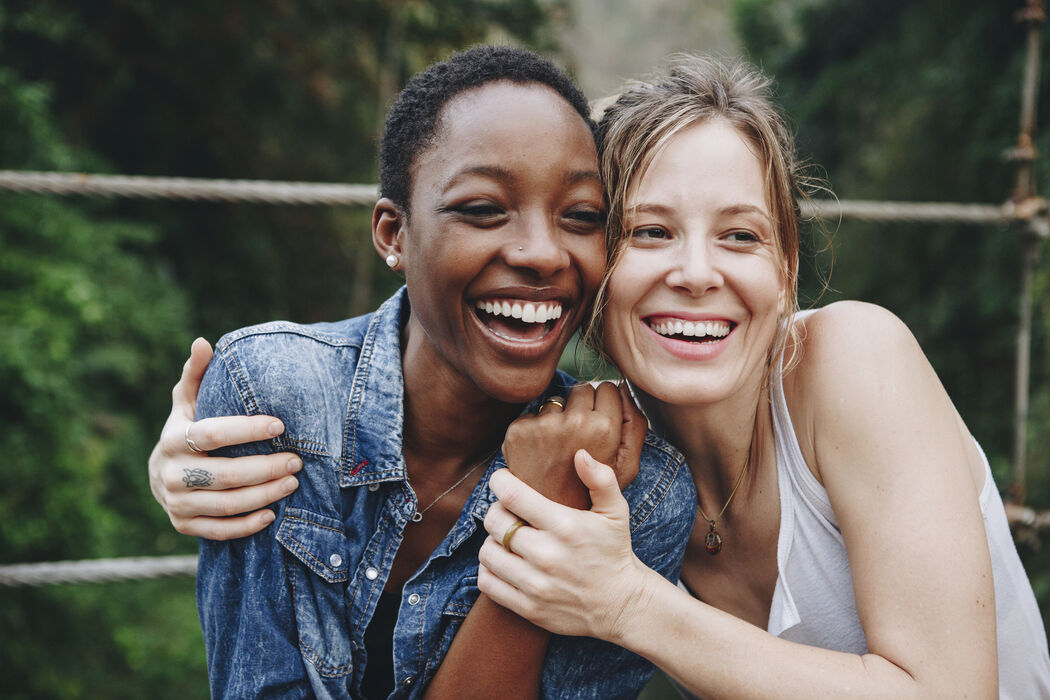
point(413, 120)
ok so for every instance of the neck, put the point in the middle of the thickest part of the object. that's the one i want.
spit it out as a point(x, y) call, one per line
point(449, 423)
point(715, 439)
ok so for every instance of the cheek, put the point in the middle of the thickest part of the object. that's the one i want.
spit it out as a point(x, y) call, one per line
point(589, 251)
point(623, 293)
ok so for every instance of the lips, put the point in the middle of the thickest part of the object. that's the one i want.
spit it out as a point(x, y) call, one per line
point(691, 339)
point(518, 320)
point(684, 329)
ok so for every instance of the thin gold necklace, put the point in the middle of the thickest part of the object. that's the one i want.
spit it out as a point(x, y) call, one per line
point(713, 541)
point(418, 515)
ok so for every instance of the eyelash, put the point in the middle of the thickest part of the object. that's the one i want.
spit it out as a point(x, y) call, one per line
point(643, 231)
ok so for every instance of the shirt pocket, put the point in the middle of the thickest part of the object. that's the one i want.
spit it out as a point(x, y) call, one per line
point(317, 569)
point(452, 613)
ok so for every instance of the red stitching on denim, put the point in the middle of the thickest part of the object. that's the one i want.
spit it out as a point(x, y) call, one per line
point(361, 465)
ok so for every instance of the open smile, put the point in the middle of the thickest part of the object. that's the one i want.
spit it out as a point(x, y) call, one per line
point(690, 339)
point(690, 331)
point(519, 320)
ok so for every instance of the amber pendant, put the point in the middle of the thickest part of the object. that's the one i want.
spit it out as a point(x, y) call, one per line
point(713, 541)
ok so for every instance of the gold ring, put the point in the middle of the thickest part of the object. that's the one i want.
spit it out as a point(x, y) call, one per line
point(510, 533)
point(552, 401)
point(189, 441)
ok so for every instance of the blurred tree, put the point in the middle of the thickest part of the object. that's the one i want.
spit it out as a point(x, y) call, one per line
point(82, 361)
point(919, 101)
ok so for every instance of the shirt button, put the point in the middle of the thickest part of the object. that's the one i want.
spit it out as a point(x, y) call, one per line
point(373, 487)
point(413, 599)
point(335, 560)
point(371, 573)
point(408, 681)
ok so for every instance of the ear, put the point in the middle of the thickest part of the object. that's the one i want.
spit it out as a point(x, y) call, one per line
point(388, 231)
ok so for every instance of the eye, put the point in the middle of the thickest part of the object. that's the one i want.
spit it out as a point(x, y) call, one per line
point(742, 236)
point(586, 219)
point(478, 213)
point(649, 233)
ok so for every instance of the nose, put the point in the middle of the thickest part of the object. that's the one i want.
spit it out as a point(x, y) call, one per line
point(695, 267)
point(537, 244)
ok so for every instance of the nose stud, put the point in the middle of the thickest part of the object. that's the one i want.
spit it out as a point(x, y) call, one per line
point(521, 248)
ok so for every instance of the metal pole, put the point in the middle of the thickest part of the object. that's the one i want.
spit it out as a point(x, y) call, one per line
point(1032, 15)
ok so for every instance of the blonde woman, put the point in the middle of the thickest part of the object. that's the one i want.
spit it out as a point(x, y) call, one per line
point(850, 539)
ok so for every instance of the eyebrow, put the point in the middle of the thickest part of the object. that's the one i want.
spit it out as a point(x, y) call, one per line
point(731, 210)
point(496, 172)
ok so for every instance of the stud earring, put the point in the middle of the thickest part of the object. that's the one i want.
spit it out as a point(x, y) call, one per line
point(392, 261)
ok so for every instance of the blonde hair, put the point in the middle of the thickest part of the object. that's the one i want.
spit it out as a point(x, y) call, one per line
point(649, 113)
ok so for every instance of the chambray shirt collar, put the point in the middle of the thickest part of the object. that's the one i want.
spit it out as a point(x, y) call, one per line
point(375, 416)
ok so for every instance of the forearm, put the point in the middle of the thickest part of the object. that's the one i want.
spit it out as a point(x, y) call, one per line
point(716, 655)
point(495, 653)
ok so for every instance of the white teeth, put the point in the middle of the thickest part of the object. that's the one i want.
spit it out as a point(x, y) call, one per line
point(691, 329)
point(528, 312)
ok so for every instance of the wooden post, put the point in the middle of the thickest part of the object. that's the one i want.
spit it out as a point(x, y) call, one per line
point(1024, 154)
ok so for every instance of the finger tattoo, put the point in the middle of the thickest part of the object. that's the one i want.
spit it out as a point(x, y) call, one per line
point(196, 478)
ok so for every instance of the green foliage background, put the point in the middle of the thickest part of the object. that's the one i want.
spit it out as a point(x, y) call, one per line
point(99, 299)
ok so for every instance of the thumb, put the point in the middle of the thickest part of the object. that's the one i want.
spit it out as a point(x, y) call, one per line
point(184, 395)
point(600, 480)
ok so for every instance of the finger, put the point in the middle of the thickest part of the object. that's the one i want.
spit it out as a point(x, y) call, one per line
point(502, 592)
point(552, 404)
point(507, 565)
point(192, 504)
point(184, 395)
point(581, 398)
point(632, 438)
point(221, 473)
point(525, 502)
point(600, 480)
point(222, 529)
point(497, 520)
point(212, 433)
point(607, 400)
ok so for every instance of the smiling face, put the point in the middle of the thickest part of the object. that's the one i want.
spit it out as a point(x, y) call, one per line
point(504, 247)
point(694, 299)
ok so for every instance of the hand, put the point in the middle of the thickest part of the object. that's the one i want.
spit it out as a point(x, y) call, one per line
point(571, 572)
point(604, 421)
point(202, 494)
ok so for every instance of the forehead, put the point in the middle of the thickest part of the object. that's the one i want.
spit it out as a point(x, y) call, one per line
point(705, 161)
point(508, 123)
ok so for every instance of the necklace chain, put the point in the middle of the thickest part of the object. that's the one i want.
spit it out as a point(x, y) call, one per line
point(713, 541)
point(418, 515)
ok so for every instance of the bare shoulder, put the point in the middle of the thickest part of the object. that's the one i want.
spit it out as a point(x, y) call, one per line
point(855, 361)
point(850, 343)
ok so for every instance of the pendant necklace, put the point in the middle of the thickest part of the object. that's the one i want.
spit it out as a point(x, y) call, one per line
point(418, 515)
point(713, 541)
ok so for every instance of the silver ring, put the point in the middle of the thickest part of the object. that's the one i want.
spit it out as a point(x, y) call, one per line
point(189, 441)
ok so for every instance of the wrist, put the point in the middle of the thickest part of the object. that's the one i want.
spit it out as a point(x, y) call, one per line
point(638, 596)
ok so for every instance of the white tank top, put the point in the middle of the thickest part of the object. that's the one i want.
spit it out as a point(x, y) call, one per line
point(813, 600)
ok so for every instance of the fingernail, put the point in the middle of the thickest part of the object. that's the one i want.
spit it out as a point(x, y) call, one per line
point(294, 465)
point(267, 517)
point(276, 428)
point(290, 484)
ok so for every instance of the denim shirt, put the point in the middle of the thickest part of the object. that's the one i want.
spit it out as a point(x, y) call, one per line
point(284, 611)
